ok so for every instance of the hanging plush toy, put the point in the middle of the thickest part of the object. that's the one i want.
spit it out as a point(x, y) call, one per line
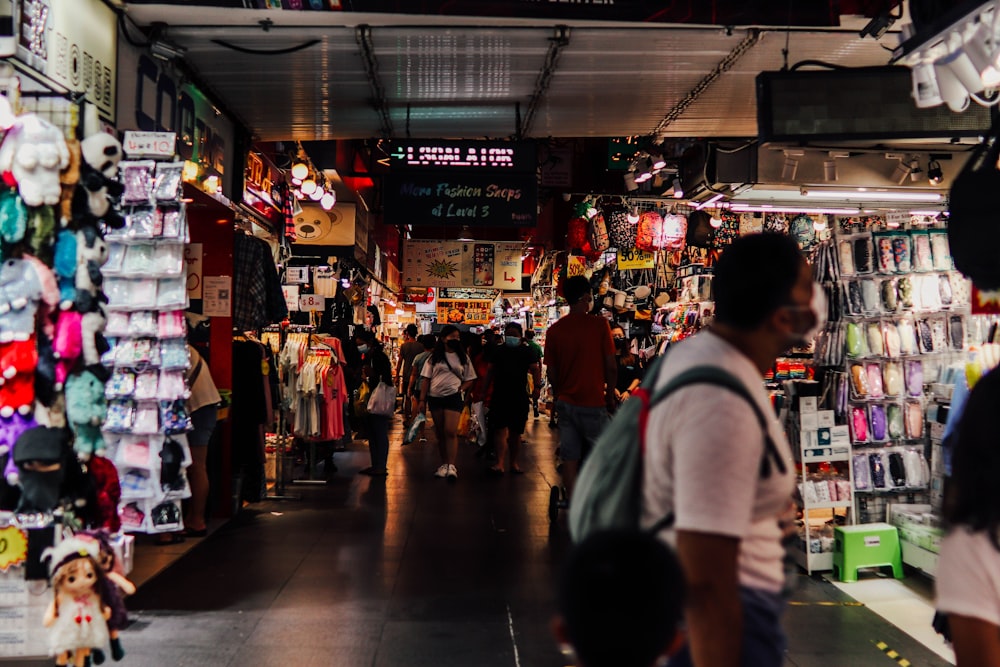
point(77, 618)
point(91, 254)
point(115, 588)
point(86, 410)
point(32, 155)
point(108, 493)
point(98, 190)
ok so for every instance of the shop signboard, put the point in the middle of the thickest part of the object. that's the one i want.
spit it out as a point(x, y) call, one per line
point(474, 199)
point(262, 181)
point(311, 302)
point(576, 265)
point(71, 43)
point(462, 264)
point(159, 101)
point(633, 258)
point(464, 311)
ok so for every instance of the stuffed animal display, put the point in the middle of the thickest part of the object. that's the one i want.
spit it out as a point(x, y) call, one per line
point(33, 153)
point(116, 587)
point(99, 190)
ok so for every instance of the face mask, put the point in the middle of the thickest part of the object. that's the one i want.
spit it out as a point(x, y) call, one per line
point(816, 310)
point(619, 342)
point(363, 349)
point(454, 345)
point(39, 490)
point(512, 341)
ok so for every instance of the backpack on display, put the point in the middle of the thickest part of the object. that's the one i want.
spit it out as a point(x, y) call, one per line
point(700, 233)
point(608, 490)
point(599, 234)
point(621, 233)
point(650, 233)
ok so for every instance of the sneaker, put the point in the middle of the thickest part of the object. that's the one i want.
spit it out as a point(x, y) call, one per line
point(452, 473)
point(442, 471)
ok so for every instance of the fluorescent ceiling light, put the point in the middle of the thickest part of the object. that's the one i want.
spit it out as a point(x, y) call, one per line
point(709, 202)
point(764, 208)
point(874, 195)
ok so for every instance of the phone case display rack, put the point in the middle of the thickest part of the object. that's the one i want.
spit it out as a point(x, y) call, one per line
point(899, 317)
point(147, 294)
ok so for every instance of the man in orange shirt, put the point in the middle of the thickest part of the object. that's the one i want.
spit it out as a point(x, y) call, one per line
point(580, 357)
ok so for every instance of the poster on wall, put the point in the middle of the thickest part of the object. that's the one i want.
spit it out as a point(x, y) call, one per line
point(464, 311)
point(462, 264)
point(193, 262)
point(218, 296)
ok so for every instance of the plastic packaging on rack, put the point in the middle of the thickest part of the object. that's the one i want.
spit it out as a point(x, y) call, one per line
point(138, 179)
point(894, 421)
point(845, 255)
point(956, 332)
point(886, 258)
point(889, 295)
point(169, 181)
point(147, 418)
point(859, 382)
point(876, 345)
point(901, 252)
point(922, 257)
point(859, 424)
point(172, 324)
point(142, 324)
point(870, 300)
point(878, 418)
point(893, 344)
point(147, 385)
point(174, 354)
point(172, 386)
point(877, 467)
point(914, 418)
point(892, 378)
point(172, 294)
point(914, 378)
point(941, 250)
point(897, 471)
point(140, 224)
point(875, 386)
point(904, 287)
point(857, 345)
point(862, 472)
point(907, 337)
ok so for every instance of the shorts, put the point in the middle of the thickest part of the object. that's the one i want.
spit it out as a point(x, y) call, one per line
point(579, 428)
point(202, 424)
point(453, 402)
point(764, 640)
point(509, 414)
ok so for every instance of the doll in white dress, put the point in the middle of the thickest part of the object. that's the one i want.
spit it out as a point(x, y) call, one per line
point(76, 618)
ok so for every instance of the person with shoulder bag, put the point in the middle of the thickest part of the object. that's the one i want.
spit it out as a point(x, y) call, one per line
point(376, 370)
point(447, 374)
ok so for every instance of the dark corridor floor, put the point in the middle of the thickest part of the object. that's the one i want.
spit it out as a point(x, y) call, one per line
point(413, 571)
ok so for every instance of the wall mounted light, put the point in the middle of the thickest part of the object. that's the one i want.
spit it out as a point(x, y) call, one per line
point(901, 173)
point(915, 170)
point(678, 188)
point(317, 194)
point(328, 201)
point(934, 174)
point(829, 170)
point(308, 186)
point(300, 171)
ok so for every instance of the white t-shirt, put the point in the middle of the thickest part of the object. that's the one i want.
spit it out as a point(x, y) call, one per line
point(444, 380)
point(704, 448)
point(968, 576)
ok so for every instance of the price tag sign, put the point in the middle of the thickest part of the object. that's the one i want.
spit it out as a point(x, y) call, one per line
point(576, 266)
point(310, 302)
point(291, 293)
point(297, 275)
point(13, 547)
point(149, 144)
point(635, 259)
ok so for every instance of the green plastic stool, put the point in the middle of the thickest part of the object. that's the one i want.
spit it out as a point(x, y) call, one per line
point(866, 545)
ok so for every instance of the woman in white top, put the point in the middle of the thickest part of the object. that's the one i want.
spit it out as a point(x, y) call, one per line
point(968, 577)
point(447, 374)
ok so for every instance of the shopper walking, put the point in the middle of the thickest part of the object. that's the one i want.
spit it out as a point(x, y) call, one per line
point(968, 575)
point(408, 351)
point(427, 342)
point(203, 406)
point(580, 361)
point(446, 375)
point(705, 454)
point(375, 368)
point(630, 371)
point(620, 601)
point(529, 337)
point(507, 375)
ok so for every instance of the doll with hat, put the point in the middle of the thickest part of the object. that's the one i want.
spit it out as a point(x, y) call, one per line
point(77, 617)
point(115, 587)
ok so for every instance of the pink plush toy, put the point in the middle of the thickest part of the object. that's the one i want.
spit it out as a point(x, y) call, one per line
point(50, 292)
point(67, 346)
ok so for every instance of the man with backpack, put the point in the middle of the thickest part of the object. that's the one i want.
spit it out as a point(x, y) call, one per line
point(717, 477)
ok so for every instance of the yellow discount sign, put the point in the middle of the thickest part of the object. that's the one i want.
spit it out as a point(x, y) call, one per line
point(635, 259)
point(13, 547)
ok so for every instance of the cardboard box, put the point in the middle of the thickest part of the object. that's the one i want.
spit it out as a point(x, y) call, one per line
point(824, 437)
point(808, 421)
point(825, 419)
point(808, 404)
point(840, 435)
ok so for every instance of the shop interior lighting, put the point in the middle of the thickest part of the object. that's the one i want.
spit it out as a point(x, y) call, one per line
point(658, 161)
point(678, 188)
point(791, 165)
point(819, 224)
point(829, 170)
point(162, 48)
point(308, 186)
point(764, 208)
point(901, 173)
point(915, 170)
point(631, 185)
point(633, 216)
point(300, 171)
point(328, 201)
point(317, 194)
point(710, 202)
point(934, 174)
point(873, 195)
point(716, 220)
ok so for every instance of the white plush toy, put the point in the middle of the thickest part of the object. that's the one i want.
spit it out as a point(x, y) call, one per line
point(34, 152)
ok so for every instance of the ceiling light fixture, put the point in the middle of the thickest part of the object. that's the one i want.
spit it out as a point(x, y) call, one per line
point(328, 201)
point(829, 170)
point(901, 173)
point(162, 48)
point(658, 161)
point(915, 169)
point(308, 186)
point(300, 171)
point(633, 216)
point(678, 188)
point(935, 176)
point(317, 194)
point(631, 184)
point(711, 201)
point(763, 208)
point(874, 195)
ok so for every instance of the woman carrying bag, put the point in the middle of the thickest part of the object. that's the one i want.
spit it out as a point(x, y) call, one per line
point(376, 369)
point(447, 374)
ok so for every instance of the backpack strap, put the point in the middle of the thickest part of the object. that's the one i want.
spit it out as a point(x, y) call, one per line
point(713, 375)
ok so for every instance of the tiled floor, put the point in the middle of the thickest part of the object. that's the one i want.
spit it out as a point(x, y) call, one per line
point(412, 571)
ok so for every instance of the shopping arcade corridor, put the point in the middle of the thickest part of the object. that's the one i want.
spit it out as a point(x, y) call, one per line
point(412, 571)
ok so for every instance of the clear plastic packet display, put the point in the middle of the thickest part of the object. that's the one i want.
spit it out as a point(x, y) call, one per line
point(136, 483)
point(862, 472)
point(121, 384)
point(147, 385)
point(138, 260)
point(172, 386)
point(147, 418)
point(174, 416)
point(876, 345)
point(930, 292)
point(907, 336)
point(116, 259)
point(117, 324)
point(142, 324)
point(174, 354)
point(121, 415)
point(138, 179)
point(901, 252)
point(894, 421)
point(941, 251)
point(862, 246)
point(167, 260)
point(135, 452)
point(923, 260)
point(172, 324)
point(859, 424)
point(893, 343)
point(845, 257)
point(876, 388)
point(871, 302)
point(172, 294)
point(913, 415)
point(174, 222)
point(856, 339)
point(957, 332)
point(944, 290)
point(961, 290)
point(892, 378)
point(169, 181)
point(859, 382)
point(889, 296)
point(904, 290)
point(877, 418)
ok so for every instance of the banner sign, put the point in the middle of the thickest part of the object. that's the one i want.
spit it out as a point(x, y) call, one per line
point(474, 199)
point(462, 264)
point(462, 156)
point(464, 311)
point(632, 258)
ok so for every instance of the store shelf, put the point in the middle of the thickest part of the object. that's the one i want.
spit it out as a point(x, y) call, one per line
point(811, 562)
point(829, 458)
point(838, 505)
point(916, 556)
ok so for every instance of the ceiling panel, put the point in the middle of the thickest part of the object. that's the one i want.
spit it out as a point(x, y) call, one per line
point(467, 81)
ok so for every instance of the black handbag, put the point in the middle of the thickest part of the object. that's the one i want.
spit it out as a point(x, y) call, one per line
point(621, 233)
point(700, 233)
point(973, 232)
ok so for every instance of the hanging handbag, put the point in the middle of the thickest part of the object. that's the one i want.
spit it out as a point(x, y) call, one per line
point(576, 235)
point(650, 231)
point(599, 234)
point(972, 231)
point(621, 232)
point(699, 229)
point(674, 235)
